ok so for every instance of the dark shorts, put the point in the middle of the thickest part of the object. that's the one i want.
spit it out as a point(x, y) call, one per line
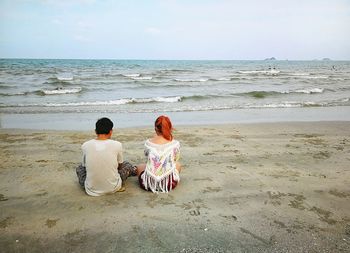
point(171, 185)
point(125, 170)
point(81, 173)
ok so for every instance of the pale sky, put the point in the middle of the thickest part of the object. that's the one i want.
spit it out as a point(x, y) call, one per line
point(175, 29)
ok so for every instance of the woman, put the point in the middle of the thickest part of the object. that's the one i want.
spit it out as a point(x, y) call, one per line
point(161, 173)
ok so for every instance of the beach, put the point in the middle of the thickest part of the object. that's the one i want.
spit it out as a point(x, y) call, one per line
point(257, 187)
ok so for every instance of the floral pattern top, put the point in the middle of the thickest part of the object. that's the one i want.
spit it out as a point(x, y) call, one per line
point(161, 164)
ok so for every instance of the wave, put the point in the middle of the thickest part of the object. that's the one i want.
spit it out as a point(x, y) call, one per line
point(121, 101)
point(259, 94)
point(157, 99)
point(287, 105)
point(251, 106)
point(67, 77)
point(203, 97)
point(14, 94)
point(176, 70)
point(299, 74)
point(191, 80)
point(344, 100)
point(257, 72)
point(103, 106)
point(4, 86)
point(221, 79)
point(142, 78)
point(313, 76)
point(310, 91)
point(59, 91)
point(56, 82)
point(263, 94)
point(131, 75)
point(136, 76)
point(296, 104)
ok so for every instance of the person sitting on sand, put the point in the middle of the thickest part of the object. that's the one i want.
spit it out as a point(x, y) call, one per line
point(161, 173)
point(103, 170)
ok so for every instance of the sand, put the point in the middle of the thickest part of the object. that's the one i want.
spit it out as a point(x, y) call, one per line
point(276, 187)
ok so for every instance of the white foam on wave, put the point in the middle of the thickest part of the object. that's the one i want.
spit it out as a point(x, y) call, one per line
point(299, 74)
point(282, 105)
point(131, 75)
point(192, 80)
point(59, 91)
point(345, 100)
point(222, 79)
point(142, 78)
point(310, 91)
point(14, 94)
point(65, 77)
point(168, 99)
point(121, 101)
point(156, 99)
point(305, 91)
point(315, 77)
point(287, 104)
point(309, 76)
point(264, 72)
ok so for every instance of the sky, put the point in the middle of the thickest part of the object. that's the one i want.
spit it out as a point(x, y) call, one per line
point(175, 29)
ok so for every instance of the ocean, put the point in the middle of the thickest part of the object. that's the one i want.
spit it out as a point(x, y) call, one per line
point(72, 94)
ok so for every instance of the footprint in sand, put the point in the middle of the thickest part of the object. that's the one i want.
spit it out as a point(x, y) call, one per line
point(212, 189)
point(339, 194)
point(323, 215)
point(6, 222)
point(322, 155)
point(203, 179)
point(193, 207)
point(51, 223)
point(3, 198)
point(195, 212)
point(230, 217)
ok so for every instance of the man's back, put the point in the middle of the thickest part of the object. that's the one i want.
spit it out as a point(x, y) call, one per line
point(101, 159)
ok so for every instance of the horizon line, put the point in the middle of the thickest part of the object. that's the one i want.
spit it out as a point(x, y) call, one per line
point(137, 59)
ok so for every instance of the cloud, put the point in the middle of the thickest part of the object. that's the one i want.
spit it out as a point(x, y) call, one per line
point(227, 29)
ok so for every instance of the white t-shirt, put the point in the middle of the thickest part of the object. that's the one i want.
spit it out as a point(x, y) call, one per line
point(101, 159)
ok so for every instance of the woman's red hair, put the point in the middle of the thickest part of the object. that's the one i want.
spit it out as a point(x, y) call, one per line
point(164, 127)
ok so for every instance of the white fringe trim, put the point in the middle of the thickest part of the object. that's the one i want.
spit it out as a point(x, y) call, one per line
point(159, 184)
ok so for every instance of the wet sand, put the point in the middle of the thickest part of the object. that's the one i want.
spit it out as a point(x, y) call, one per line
point(272, 187)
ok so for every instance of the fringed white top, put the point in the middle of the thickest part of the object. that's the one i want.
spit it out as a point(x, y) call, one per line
point(161, 165)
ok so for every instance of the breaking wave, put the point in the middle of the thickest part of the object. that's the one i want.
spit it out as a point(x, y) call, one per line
point(121, 101)
point(65, 77)
point(260, 72)
point(60, 91)
point(191, 80)
point(142, 78)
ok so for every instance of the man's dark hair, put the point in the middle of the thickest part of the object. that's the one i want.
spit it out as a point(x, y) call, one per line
point(104, 126)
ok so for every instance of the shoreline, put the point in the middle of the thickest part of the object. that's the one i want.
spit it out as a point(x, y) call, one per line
point(86, 121)
point(256, 187)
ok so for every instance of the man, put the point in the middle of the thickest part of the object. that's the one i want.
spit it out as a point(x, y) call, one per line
point(103, 169)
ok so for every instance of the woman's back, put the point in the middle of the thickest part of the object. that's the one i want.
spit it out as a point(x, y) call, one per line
point(162, 158)
point(161, 172)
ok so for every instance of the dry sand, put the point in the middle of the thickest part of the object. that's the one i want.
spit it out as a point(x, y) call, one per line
point(280, 187)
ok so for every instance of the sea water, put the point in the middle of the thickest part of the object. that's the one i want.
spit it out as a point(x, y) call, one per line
point(70, 94)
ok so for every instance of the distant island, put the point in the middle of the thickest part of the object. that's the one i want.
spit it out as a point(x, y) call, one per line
point(326, 59)
point(270, 59)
